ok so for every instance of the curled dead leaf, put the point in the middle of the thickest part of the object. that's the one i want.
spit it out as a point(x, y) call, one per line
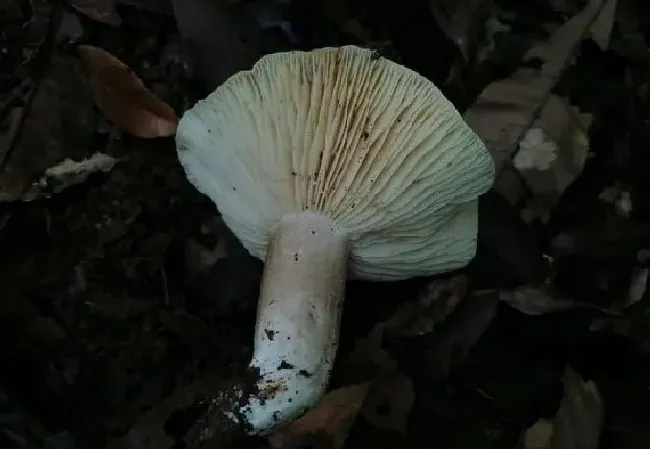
point(100, 10)
point(578, 422)
point(123, 97)
point(328, 424)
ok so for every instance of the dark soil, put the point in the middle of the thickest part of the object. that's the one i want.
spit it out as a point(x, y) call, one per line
point(103, 315)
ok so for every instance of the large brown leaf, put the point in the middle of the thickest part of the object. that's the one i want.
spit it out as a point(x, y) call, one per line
point(123, 97)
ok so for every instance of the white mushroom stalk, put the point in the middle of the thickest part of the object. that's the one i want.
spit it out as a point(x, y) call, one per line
point(296, 335)
point(324, 164)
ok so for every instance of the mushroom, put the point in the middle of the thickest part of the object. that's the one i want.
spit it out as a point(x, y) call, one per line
point(327, 164)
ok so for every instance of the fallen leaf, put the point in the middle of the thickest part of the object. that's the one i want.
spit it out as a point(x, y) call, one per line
point(578, 422)
point(601, 29)
point(535, 300)
point(389, 402)
point(327, 424)
point(68, 173)
point(100, 10)
point(559, 51)
point(461, 21)
point(369, 359)
point(432, 307)
point(445, 347)
point(123, 97)
point(451, 344)
point(520, 114)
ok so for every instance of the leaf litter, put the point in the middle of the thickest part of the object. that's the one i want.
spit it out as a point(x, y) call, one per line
point(519, 117)
point(142, 238)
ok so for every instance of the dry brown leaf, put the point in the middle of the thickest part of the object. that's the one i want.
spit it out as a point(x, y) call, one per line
point(559, 51)
point(369, 359)
point(100, 10)
point(389, 402)
point(535, 300)
point(432, 307)
point(326, 425)
point(578, 422)
point(461, 20)
point(601, 30)
point(123, 97)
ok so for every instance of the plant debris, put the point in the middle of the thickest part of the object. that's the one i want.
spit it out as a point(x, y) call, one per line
point(68, 173)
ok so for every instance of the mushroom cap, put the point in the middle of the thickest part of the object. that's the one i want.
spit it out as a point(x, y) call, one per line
point(342, 132)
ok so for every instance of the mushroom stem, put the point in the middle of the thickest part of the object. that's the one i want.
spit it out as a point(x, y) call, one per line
point(298, 317)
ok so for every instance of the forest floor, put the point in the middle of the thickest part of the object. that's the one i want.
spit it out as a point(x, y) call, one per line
point(120, 286)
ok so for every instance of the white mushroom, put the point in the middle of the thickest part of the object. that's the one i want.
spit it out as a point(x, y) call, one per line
point(324, 164)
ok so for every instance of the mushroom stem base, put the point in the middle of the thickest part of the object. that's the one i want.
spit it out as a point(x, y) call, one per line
point(298, 317)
